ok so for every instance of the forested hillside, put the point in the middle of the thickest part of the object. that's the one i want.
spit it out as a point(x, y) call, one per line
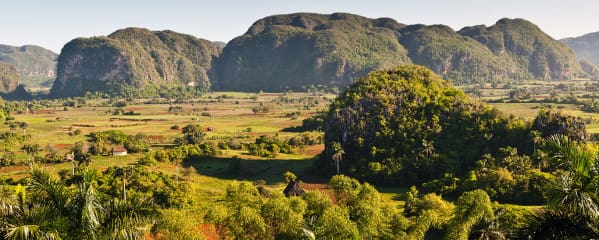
point(135, 62)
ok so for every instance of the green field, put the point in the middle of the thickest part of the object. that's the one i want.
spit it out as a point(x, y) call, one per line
point(222, 115)
point(226, 113)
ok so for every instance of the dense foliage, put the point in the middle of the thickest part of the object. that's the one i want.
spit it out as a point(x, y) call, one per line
point(358, 213)
point(47, 208)
point(407, 126)
point(549, 123)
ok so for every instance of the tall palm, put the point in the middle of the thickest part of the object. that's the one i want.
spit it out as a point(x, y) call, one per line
point(47, 209)
point(86, 207)
point(31, 150)
point(127, 219)
point(337, 154)
point(576, 188)
point(572, 208)
point(29, 219)
point(23, 125)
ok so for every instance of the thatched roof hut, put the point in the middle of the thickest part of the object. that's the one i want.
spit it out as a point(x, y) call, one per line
point(293, 189)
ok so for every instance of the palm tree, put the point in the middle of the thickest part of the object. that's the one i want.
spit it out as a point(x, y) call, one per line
point(536, 139)
point(337, 154)
point(176, 156)
point(572, 204)
point(23, 125)
point(557, 224)
point(31, 150)
point(86, 204)
point(127, 219)
point(428, 148)
point(32, 217)
point(81, 155)
point(576, 188)
point(47, 209)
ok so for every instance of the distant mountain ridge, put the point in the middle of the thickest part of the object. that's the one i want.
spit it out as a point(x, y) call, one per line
point(30, 60)
point(286, 51)
point(585, 46)
point(295, 51)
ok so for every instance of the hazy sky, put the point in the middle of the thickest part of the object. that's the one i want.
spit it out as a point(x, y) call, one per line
point(52, 23)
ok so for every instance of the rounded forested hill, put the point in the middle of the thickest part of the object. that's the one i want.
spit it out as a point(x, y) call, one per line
point(298, 50)
point(406, 126)
point(459, 58)
point(133, 57)
point(9, 78)
point(30, 60)
point(528, 49)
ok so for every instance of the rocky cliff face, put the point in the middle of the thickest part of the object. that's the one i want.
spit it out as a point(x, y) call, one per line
point(290, 51)
point(299, 50)
point(295, 51)
point(30, 60)
point(9, 78)
point(133, 57)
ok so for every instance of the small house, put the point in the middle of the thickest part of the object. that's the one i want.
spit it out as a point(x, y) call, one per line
point(293, 189)
point(119, 151)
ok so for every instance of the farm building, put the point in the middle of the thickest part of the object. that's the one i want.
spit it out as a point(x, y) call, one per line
point(293, 189)
point(119, 151)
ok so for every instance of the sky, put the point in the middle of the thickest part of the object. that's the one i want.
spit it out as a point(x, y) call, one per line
point(52, 23)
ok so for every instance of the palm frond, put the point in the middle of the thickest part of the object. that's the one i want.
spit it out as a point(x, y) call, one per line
point(49, 190)
point(128, 219)
point(26, 232)
point(307, 233)
point(92, 211)
point(557, 224)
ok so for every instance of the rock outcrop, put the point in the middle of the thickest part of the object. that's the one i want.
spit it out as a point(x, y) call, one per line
point(133, 58)
point(30, 60)
point(9, 78)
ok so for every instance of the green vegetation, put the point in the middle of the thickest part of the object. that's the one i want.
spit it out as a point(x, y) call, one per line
point(407, 126)
point(49, 209)
point(399, 154)
point(36, 65)
point(134, 59)
point(528, 49)
point(298, 50)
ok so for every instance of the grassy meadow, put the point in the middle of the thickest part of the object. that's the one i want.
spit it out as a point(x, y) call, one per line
point(240, 116)
point(225, 114)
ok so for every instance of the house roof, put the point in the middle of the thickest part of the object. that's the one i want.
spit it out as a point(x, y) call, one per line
point(119, 149)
